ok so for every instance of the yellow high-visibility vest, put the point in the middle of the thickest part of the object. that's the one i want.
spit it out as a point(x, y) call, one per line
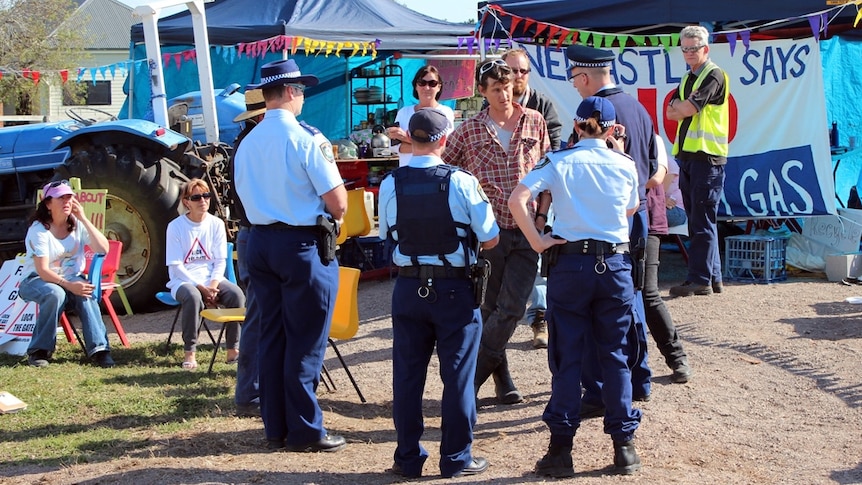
point(710, 127)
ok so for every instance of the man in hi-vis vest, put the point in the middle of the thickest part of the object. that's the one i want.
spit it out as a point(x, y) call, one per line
point(700, 105)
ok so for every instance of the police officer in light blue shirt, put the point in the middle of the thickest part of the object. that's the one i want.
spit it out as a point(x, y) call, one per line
point(438, 215)
point(590, 288)
point(287, 178)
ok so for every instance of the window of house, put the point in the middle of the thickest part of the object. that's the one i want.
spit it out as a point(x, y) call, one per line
point(98, 94)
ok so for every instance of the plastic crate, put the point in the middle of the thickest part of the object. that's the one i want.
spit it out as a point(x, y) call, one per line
point(755, 259)
point(364, 253)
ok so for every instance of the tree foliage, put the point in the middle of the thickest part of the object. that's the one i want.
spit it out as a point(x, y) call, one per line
point(34, 36)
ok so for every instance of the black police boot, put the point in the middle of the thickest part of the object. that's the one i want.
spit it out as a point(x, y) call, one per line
point(556, 463)
point(626, 459)
point(505, 389)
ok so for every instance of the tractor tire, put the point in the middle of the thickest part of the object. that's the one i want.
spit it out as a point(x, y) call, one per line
point(143, 197)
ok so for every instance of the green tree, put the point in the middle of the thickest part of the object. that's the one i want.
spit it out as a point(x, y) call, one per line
point(34, 37)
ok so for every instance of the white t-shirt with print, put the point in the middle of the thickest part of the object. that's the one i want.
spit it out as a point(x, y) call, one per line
point(65, 256)
point(195, 251)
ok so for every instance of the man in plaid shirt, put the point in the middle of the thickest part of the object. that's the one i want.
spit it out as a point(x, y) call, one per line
point(500, 145)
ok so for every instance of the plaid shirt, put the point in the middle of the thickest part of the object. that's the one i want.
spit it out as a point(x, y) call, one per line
point(474, 146)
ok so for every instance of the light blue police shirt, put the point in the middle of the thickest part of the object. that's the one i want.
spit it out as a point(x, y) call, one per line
point(282, 170)
point(592, 186)
point(467, 203)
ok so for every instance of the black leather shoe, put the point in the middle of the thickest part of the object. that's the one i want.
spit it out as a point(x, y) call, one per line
point(38, 358)
point(103, 359)
point(717, 287)
point(397, 470)
point(475, 467)
point(328, 443)
point(556, 463)
point(626, 459)
point(642, 398)
point(681, 373)
point(274, 445)
point(589, 411)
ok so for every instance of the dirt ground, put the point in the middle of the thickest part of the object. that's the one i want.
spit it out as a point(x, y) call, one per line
point(775, 398)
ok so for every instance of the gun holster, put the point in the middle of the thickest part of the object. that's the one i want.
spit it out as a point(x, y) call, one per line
point(479, 274)
point(549, 257)
point(327, 234)
point(639, 264)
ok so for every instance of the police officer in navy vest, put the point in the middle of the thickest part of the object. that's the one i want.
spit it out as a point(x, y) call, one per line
point(292, 193)
point(437, 214)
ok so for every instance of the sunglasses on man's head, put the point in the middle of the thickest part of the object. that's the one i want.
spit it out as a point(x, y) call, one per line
point(490, 65)
point(433, 83)
point(197, 197)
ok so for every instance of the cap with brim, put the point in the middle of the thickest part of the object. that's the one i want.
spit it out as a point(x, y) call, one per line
point(593, 104)
point(428, 125)
point(278, 73)
point(254, 105)
point(585, 56)
point(57, 191)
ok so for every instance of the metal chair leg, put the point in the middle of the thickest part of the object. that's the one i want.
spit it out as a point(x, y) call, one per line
point(347, 370)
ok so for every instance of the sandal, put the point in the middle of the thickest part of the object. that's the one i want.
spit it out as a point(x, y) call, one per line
point(232, 359)
point(190, 365)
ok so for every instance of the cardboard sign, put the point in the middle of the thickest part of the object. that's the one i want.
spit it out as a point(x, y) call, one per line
point(457, 76)
point(17, 317)
point(840, 234)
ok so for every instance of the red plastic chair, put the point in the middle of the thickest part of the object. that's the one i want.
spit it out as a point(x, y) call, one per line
point(109, 271)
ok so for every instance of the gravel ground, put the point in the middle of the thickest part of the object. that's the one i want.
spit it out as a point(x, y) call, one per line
point(775, 398)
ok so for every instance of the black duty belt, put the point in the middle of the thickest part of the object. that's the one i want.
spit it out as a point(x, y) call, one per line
point(592, 246)
point(430, 271)
point(281, 226)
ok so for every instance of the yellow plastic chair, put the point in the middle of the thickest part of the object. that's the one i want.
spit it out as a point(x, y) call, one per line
point(345, 318)
point(356, 221)
point(221, 316)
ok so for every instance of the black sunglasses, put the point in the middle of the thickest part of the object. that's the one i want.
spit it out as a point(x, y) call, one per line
point(522, 72)
point(431, 84)
point(197, 197)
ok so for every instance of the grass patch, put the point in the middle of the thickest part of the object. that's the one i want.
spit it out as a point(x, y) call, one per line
point(78, 412)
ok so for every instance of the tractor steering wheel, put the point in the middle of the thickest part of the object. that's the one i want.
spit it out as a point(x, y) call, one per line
point(76, 114)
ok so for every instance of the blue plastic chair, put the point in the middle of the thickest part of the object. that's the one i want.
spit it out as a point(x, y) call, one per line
point(166, 298)
point(94, 278)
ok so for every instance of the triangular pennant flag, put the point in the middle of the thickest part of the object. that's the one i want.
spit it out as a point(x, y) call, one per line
point(364, 48)
point(188, 55)
point(528, 22)
point(540, 28)
point(746, 38)
point(623, 40)
point(564, 34)
point(355, 49)
point(329, 47)
point(585, 37)
point(93, 75)
point(294, 45)
point(64, 75)
point(639, 40)
point(218, 50)
point(824, 22)
point(1, 74)
point(232, 54)
point(514, 25)
point(496, 45)
point(25, 73)
point(598, 40)
point(241, 47)
point(103, 71)
point(113, 68)
point(178, 58)
point(338, 47)
point(553, 30)
point(35, 76)
point(166, 60)
point(731, 41)
point(814, 22)
point(666, 41)
point(461, 41)
point(653, 40)
point(858, 17)
point(262, 48)
point(674, 39)
point(80, 73)
point(471, 42)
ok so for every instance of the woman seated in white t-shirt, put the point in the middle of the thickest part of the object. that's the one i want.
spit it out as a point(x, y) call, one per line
point(196, 257)
point(427, 86)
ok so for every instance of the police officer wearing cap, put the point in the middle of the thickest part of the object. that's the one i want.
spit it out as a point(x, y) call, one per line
point(590, 73)
point(437, 214)
point(291, 189)
point(590, 288)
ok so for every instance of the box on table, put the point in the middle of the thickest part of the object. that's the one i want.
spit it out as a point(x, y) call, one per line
point(364, 253)
point(755, 259)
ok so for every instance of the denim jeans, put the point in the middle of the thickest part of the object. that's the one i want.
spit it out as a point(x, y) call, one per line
point(247, 387)
point(52, 299)
point(702, 185)
point(676, 216)
point(539, 296)
point(513, 270)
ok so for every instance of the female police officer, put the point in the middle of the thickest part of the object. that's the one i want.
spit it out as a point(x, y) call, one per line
point(590, 289)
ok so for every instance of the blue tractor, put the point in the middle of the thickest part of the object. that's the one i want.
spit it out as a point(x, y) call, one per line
point(142, 165)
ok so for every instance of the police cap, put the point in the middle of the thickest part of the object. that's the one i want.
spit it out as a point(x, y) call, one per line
point(428, 125)
point(585, 56)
